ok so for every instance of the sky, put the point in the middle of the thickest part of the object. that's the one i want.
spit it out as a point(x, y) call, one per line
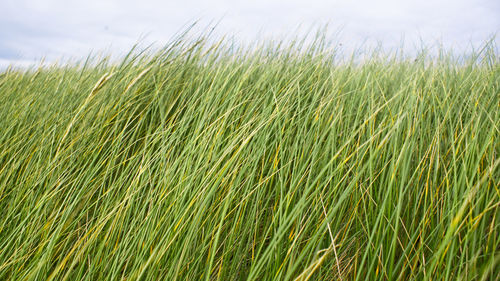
point(57, 30)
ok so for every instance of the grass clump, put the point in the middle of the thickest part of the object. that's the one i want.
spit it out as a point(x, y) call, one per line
point(215, 162)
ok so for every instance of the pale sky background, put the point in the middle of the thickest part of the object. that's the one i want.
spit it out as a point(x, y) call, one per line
point(64, 29)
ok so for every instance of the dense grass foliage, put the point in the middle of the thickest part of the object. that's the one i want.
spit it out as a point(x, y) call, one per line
point(216, 162)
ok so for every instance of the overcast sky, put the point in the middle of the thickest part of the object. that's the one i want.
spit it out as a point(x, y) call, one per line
point(55, 29)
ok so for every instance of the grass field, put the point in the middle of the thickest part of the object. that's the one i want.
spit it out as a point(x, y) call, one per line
point(209, 161)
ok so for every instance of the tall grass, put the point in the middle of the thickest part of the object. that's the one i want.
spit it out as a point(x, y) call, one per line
point(209, 161)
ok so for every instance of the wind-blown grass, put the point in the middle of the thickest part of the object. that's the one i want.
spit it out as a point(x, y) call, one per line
point(214, 162)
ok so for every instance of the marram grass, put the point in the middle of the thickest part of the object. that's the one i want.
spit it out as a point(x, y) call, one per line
point(215, 162)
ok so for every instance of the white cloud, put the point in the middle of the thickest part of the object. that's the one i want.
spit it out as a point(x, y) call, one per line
point(31, 29)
